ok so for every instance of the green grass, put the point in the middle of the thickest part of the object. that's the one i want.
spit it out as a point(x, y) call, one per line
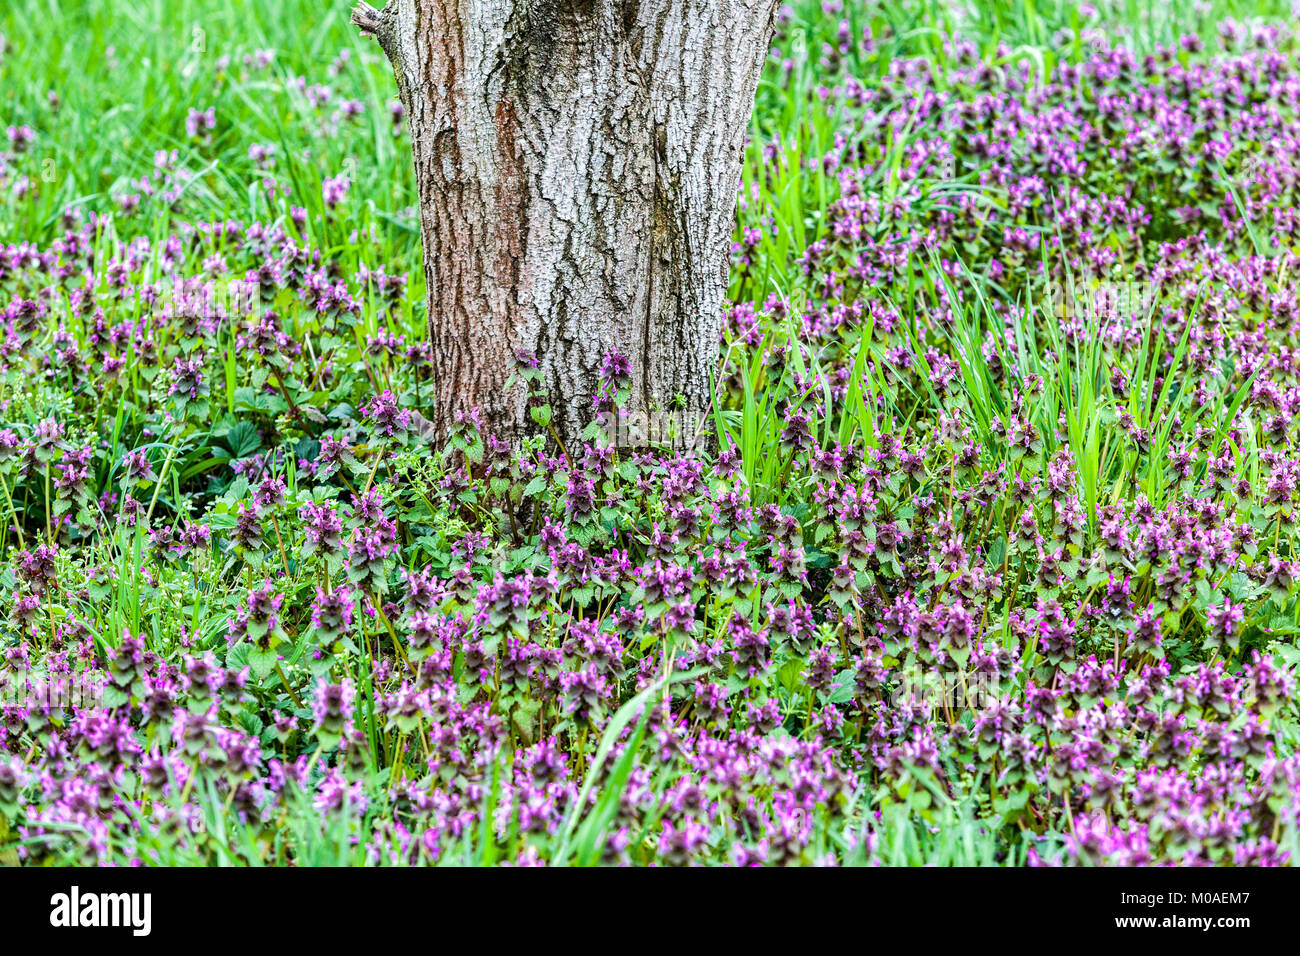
point(127, 73)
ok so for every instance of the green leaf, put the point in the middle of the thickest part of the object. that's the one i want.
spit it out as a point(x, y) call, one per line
point(243, 440)
point(261, 661)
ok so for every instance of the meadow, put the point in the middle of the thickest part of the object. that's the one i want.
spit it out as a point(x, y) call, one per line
point(987, 556)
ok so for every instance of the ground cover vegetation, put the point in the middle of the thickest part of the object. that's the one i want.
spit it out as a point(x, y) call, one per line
point(985, 555)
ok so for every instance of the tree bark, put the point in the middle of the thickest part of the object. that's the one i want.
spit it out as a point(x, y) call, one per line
point(577, 164)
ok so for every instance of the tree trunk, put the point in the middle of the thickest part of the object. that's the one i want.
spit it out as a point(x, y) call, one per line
point(577, 164)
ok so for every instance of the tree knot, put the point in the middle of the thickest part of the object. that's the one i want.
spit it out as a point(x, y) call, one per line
point(379, 24)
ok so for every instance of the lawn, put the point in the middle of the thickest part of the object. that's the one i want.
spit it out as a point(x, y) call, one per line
point(987, 557)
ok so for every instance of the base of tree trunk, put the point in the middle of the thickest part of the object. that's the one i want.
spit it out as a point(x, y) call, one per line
point(577, 166)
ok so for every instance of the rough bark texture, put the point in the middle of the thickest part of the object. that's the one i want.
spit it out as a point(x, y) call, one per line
point(577, 164)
